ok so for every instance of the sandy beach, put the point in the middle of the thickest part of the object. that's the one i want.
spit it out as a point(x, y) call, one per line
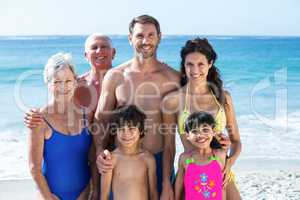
point(259, 179)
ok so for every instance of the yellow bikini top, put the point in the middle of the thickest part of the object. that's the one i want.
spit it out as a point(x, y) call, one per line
point(220, 116)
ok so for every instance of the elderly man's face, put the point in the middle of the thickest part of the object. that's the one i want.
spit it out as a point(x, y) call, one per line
point(99, 53)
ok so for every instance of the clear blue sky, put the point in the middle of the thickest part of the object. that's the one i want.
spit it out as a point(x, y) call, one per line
point(204, 17)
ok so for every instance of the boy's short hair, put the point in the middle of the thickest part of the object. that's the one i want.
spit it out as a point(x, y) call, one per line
point(196, 119)
point(128, 116)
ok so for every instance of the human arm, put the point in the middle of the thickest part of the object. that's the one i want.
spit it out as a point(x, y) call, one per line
point(106, 104)
point(106, 180)
point(169, 121)
point(36, 148)
point(179, 187)
point(152, 177)
point(233, 133)
point(94, 173)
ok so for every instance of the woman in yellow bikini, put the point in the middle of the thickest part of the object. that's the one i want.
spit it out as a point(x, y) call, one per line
point(202, 90)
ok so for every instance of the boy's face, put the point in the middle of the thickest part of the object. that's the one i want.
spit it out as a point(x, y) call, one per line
point(128, 135)
point(201, 136)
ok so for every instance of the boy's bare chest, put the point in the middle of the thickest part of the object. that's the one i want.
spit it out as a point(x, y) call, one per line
point(130, 170)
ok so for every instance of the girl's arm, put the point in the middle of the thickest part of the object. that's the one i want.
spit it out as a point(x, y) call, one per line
point(36, 148)
point(233, 131)
point(152, 176)
point(179, 189)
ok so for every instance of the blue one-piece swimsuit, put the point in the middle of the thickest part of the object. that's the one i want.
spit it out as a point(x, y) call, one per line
point(65, 164)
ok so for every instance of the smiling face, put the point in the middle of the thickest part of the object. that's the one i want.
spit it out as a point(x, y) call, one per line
point(201, 136)
point(99, 53)
point(196, 66)
point(62, 85)
point(145, 40)
point(128, 136)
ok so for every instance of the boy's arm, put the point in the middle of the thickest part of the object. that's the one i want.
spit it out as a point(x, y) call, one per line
point(179, 189)
point(106, 180)
point(152, 177)
point(36, 148)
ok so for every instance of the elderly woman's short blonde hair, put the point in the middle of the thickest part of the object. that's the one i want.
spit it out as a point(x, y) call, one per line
point(56, 63)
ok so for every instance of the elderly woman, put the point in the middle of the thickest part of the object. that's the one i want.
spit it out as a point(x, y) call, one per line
point(60, 147)
point(202, 90)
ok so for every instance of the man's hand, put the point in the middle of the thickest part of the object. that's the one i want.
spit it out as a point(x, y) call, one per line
point(33, 118)
point(104, 162)
point(167, 191)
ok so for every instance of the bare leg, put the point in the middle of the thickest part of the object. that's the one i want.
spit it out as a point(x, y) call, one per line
point(232, 193)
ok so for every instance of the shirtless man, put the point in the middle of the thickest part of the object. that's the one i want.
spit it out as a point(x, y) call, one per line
point(142, 81)
point(99, 52)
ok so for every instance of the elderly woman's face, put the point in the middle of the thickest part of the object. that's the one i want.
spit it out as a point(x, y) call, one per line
point(63, 85)
point(196, 66)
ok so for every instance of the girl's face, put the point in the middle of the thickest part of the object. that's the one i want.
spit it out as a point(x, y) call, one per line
point(62, 85)
point(201, 136)
point(128, 136)
point(196, 66)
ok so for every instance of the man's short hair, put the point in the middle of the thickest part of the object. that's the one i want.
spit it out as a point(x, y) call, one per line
point(94, 36)
point(144, 19)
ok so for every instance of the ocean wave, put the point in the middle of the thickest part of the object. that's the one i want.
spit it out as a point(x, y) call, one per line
point(29, 37)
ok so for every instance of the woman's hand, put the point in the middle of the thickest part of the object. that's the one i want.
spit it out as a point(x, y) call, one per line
point(224, 141)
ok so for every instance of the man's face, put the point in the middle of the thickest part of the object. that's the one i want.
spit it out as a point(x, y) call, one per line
point(145, 40)
point(99, 53)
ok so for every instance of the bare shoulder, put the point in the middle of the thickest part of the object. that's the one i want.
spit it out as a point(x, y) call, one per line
point(147, 157)
point(227, 96)
point(171, 73)
point(221, 153)
point(172, 99)
point(183, 156)
point(228, 100)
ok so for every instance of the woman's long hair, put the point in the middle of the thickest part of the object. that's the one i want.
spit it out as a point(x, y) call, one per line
point(214, 80)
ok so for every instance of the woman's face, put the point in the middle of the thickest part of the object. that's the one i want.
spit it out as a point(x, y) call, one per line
point(196, 66)
point(63, 84)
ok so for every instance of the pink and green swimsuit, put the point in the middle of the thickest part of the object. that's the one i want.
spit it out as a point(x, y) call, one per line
point(203, 181)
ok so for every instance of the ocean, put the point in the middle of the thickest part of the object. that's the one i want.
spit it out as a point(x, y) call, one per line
point(261, 73)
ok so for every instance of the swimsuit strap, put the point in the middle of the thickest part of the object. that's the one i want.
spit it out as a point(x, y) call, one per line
point(48, 123)
point(187, 99)
point(190, 159)
point(84, 118)
point(216, 158)
point(216, 100)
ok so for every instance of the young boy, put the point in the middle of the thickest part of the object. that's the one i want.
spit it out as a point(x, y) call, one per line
point(134, 170)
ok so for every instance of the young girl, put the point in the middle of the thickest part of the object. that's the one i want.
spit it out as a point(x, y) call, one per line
point(134, 170)
point(200, 170)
